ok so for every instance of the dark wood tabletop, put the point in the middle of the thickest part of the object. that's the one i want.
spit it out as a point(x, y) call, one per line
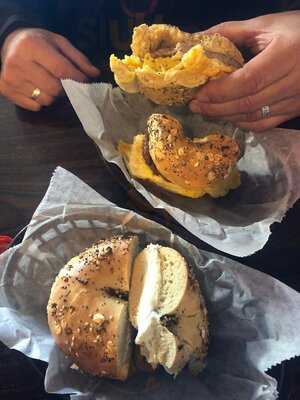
point(32, 145)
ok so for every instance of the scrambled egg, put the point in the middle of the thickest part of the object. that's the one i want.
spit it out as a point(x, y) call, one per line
point(167, 65)
point(194, 68)
point(138, 168)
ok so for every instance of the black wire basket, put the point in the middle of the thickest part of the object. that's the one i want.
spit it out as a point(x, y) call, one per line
point(31, 382)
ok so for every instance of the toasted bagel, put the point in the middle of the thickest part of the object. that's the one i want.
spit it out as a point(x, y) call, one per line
point(188, 167)
point(88, 308)
point(191, 164)
point(99, 292)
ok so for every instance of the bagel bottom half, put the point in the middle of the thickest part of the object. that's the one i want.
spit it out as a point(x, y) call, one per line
point(133, 155)
point(172, 95)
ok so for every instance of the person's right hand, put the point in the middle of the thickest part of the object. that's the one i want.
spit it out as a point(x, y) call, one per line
point(36, 58)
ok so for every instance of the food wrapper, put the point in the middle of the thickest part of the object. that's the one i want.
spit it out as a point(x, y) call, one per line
point(254, 319)
point(238, 224)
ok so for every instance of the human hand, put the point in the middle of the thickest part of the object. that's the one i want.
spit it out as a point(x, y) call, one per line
point(36, 58)
point(271, 78)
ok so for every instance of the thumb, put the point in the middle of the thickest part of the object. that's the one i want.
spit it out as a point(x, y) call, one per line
point(239, 32)
point(77, 58)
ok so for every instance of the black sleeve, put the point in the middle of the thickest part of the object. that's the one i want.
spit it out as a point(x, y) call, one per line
point(289, 5)
point(22, 13)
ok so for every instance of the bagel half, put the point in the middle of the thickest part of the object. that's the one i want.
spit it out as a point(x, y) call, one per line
point(191, 168)
point(167, 309)
point(88, 308)
point(168, 65)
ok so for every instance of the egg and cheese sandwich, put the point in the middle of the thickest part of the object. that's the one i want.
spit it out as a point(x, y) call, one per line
point(188, 167)
point(168, 66)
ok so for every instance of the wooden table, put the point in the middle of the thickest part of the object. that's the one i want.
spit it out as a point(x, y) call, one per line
point(32, 145)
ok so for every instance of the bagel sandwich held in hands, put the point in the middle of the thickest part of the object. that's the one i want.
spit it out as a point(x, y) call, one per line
point(188, 167)
point(100, 294)
point(168, 65)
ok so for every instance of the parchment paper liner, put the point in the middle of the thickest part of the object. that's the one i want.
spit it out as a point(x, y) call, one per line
point(254, 319)
point(238, 224)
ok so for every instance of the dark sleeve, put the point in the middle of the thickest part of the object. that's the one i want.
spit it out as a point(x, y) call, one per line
point(289, 5)
point(16, 14)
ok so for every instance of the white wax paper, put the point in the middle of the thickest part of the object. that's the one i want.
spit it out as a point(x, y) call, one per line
point(237, 224)
point(254, 319)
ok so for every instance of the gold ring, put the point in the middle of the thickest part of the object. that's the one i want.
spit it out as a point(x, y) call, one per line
point(35, 94)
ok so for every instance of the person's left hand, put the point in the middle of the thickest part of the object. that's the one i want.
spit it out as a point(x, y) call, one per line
point(271, 78)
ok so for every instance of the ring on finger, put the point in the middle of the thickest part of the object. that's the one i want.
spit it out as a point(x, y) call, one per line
point(35, 93)
point(265, 111)
point(43, 98)
point(249, 117)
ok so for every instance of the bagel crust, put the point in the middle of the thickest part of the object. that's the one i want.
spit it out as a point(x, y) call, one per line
point(168, 65)
point(88, 308)
point(171, 95)
point(190, 168)
point(191, 164)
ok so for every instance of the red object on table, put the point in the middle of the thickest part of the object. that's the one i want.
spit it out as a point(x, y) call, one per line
point(5, 241)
